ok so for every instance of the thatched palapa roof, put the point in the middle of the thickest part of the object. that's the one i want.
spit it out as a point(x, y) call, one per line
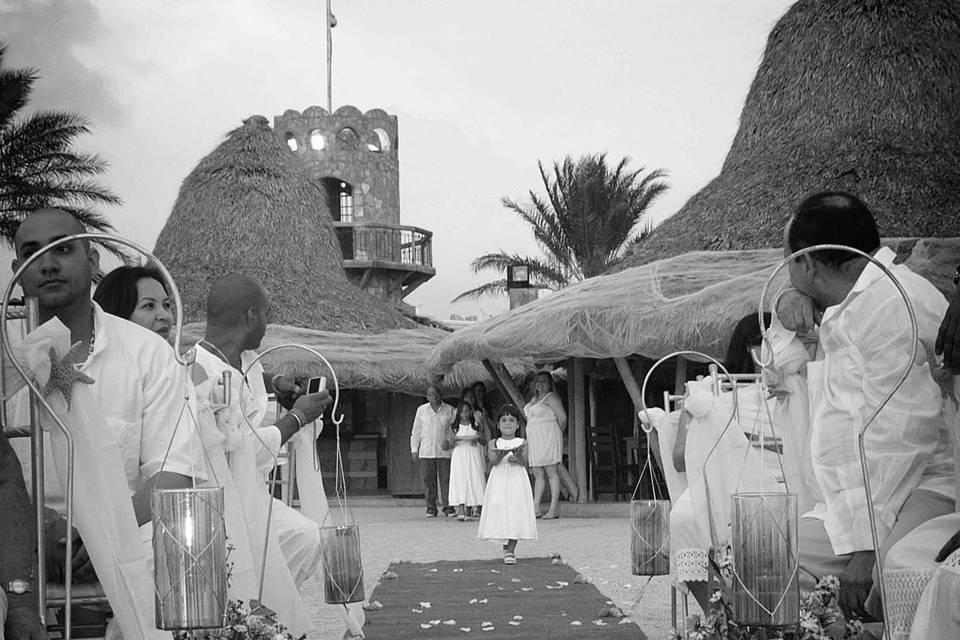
point(391, 361)
point(250, 207)
point(853, 95)
point(690, 301)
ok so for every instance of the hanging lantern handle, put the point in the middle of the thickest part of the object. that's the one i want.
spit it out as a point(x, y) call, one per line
point(861, 450)
point(340, 483)
point(648, 427)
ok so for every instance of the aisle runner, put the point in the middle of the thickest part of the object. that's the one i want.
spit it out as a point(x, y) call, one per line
point(487, 599)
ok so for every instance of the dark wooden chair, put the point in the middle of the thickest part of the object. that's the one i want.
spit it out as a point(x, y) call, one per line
point(609, 469)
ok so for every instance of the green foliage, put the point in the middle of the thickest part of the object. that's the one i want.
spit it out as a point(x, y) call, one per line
point(38, 168)
point(590, 214)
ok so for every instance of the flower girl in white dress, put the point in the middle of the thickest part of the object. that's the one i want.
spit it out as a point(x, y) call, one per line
point(467, 464)
point(508, 514)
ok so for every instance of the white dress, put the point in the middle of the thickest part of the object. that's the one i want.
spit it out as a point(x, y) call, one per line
point(466, 469)
point(543, 434)
point(508, 502)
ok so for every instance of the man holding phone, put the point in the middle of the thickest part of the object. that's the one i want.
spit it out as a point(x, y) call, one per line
point(238, 308)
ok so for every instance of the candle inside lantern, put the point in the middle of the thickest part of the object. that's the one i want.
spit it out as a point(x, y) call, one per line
point(190, 558)
point(342, 564)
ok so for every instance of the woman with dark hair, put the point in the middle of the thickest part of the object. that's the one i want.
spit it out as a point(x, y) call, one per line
point(744, 342)
point(480, 415)
point(138, 295)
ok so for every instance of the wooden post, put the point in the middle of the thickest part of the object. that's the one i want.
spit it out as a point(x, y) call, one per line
point(592, 395)
point(680, 379)
point(578, 409)
point(505, 383)
point(626, 374)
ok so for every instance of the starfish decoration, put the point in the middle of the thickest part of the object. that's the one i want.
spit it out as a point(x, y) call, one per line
point(63, 373)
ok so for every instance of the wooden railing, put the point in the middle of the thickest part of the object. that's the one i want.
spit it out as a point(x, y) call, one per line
point(386, 243)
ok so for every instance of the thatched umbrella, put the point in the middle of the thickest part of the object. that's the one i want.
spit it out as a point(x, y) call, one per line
point(394, 360)
point(690, 301)
point(854, 95)
point(249, 207)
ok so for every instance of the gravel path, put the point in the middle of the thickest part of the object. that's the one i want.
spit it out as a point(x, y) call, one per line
point(599, 547)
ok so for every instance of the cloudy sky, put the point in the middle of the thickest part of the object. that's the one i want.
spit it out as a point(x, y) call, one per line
point(482, 90)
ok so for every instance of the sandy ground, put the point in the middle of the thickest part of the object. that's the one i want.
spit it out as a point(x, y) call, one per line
point(597, 545)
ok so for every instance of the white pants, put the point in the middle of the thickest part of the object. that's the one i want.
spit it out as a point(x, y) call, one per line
point(3, 612)
point(299, 538)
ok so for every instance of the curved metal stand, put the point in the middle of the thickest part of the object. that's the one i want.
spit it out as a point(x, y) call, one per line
point(38, 394)
point(337, 421)
point(647, 430)
point(915, 335)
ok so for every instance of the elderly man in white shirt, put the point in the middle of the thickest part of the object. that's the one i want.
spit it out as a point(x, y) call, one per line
point(864, 342)
point(430, 424)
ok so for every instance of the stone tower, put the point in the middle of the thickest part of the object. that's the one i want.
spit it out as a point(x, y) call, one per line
point(353, 155)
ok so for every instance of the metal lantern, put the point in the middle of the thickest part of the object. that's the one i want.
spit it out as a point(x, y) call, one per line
point(190, 555)
point(766, 585)
point(342, 564)
point(650, 540)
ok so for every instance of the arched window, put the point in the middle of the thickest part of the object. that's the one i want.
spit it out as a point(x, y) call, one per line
point(339, 199)
point(379, 141)
point(291, 141)
point(317, 143)
point(347, 138)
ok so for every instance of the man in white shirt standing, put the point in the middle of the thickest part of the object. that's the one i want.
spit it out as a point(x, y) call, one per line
point(430, 423)
point(864, 343)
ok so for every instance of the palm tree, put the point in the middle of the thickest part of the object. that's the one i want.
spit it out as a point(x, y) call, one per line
point(38, 168)
point(589, 217)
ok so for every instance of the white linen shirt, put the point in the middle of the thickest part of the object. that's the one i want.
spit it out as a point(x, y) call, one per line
point(864, 343)
point(141, 391)
point(428, 429)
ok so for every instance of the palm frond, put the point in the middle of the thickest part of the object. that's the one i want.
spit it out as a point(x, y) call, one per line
point(38, 166)
point(494, 288)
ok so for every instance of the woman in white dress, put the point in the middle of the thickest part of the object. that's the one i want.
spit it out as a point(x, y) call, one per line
point(467, 464)
point(546, 421)
point(508, 504)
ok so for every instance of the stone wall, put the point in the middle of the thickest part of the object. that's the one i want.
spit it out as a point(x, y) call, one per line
point(357, 148)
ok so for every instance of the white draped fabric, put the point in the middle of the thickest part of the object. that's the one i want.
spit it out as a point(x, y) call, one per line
point(244, 453)
point(105, 477)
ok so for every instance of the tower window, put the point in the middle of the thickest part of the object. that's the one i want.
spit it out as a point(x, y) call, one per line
point(291, 141)
point(347, 138)
point(339, 198)
point(317, 143)
point(379, 141)
point(346, 202)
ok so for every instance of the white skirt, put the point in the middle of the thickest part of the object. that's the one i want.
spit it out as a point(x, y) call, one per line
point(508, 505)
point(466, 475)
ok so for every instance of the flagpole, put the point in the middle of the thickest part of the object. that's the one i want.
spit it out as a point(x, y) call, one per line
point(329, 20)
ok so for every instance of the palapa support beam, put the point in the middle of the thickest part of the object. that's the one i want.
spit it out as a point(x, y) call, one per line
point(630, 382)
point(579, 434)
point(504, 382)
point(680, 377)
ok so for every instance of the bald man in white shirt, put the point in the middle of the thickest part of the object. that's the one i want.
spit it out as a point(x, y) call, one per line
point(864, 342)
